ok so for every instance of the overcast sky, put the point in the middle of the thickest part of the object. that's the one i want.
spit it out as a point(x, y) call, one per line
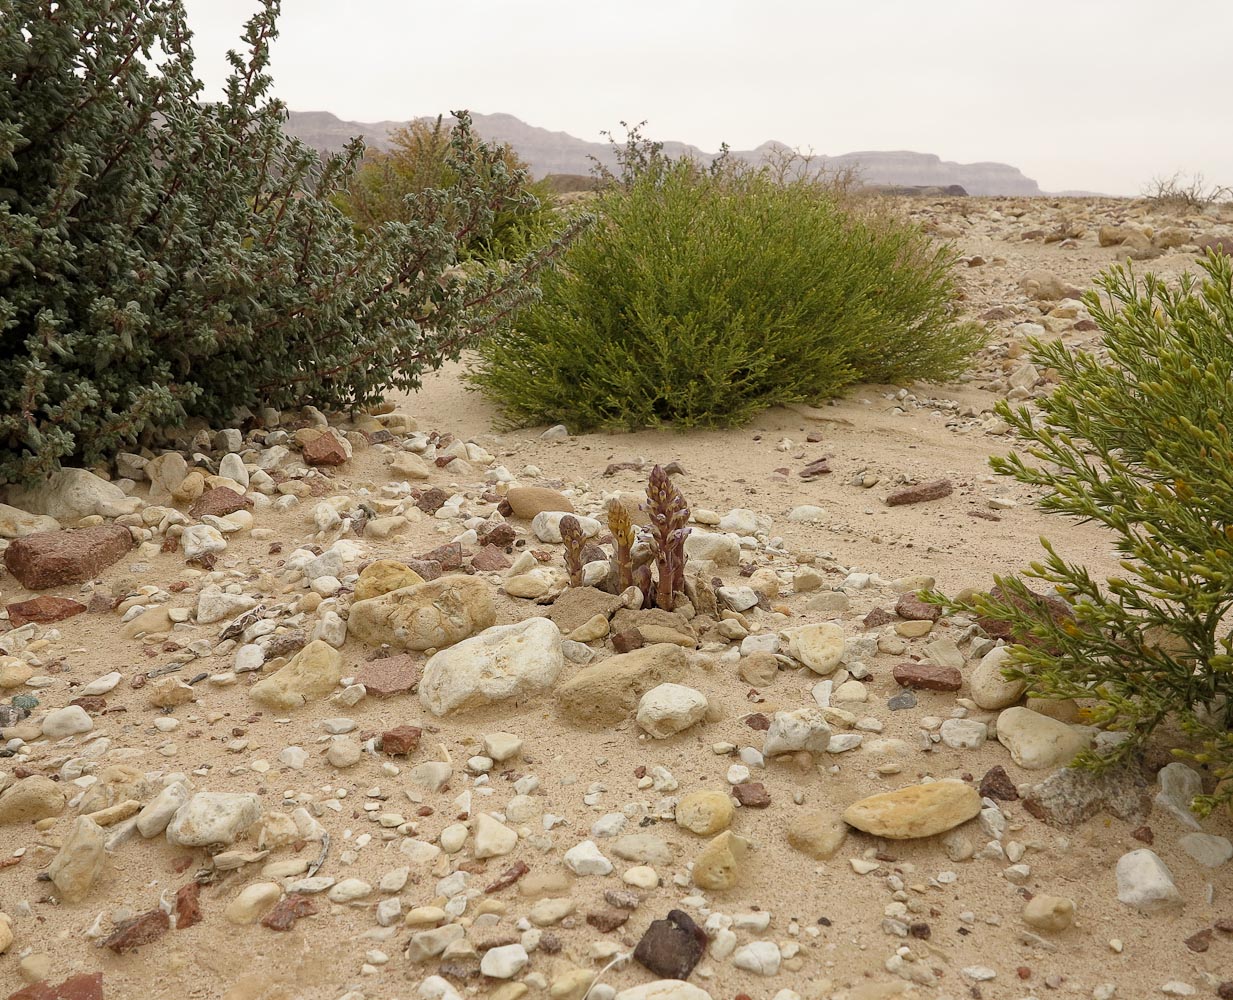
point(1079, 94)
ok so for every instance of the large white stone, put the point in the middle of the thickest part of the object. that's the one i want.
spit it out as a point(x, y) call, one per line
point(504, 962)
point(587, 859)
point(820, 647)
point(789, 732)
point(15, 523)
point(547, 525)
point(213, 818)
point(214, 604)
point(721, 549)
point(71, 494)
point(67, 721)
point(153, 819)
point(1145, 883)
point(501, 663)
point(990, 690)
point(670, 708)
point(1037, 741)
point(200, 539)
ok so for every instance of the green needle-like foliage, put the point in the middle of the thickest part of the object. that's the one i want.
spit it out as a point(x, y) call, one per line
point(703, 296)
point(164, 257)
point(1140, 441)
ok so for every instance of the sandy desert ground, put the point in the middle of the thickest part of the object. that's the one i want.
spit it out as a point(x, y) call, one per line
point(403, 865)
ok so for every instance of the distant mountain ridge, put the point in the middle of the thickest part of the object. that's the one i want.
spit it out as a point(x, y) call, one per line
point(550, 152)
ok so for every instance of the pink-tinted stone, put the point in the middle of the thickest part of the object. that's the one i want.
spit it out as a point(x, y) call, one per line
point(219, 502)
point(325, 449)
point(390, 675)
point(44, 610)
point(928, 676)
point(48, 559)
point(934, 490)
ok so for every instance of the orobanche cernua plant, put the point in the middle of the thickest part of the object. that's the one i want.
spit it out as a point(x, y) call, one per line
point(669, 519)
point(574, 539)
point(623, 542)
point(1141, 442)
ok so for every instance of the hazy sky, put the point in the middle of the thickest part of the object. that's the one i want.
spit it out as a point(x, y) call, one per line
point(1093, 94)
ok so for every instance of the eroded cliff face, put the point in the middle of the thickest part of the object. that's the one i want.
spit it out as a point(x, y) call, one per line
point(550, 152)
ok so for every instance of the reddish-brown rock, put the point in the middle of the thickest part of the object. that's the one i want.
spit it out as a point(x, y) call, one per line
point(508, 877)
point(432, 500)
point(934, 490)
point(606, 921)
point(219, 502)
point(403, 739)
point(630, 639)
point(289, 909)
point(188, 906)
point(48, 559)
point(928, 676)
point(489, 559)
point(390, 675)
point(912, 608)
point(449, 556)
point(44, 610)
point(877, 618)
point(325, 449)
point(752, 794)
point(996, 784)
point(144, 929)
point(92, 704)
point(500, 535)
point(86, 986)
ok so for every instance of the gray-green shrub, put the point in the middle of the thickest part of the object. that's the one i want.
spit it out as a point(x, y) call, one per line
point(164, 257)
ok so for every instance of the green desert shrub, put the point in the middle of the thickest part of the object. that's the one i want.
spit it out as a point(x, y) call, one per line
point(704, 295)
point(388, 183)
point(1137, 438)
point(163, 257)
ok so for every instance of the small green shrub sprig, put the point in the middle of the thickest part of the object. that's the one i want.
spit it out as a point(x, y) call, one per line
point(1138, 441)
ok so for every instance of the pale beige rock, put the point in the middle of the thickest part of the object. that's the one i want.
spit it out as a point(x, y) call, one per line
point(1036, 741)
point(30, 800)
point(312, 673)
point(151, 621)
point(14, 672)
point(502, 663)
point(425, 616)
point(74, 870)
point(705, 812)
point(818, 833)
point(820, 647)
point(527, 501)
point(408, 465)
point(719, 865)
point(1049, 913)
point(16, 523)
point(915, 810)
point(607, 692)
point(168, 692)
point(989, 689)
point(383, 576)
point(252, 903)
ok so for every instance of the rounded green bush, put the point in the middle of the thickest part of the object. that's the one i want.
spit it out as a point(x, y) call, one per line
point(703, 296)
